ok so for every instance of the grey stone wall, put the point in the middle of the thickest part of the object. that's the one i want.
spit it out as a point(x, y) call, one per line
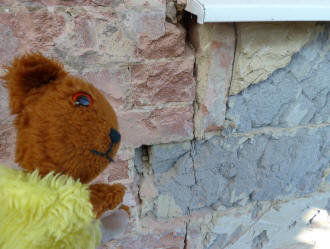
point(262, 182)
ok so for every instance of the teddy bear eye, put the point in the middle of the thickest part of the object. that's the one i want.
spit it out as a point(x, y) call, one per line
point(82, 99)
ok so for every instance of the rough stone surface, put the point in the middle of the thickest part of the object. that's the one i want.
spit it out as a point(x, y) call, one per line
point(99, 40)
point(171, 44)
point(300, 223)
point(161, 83)
point(117, 87)
point(163, 157)
point(235, 170)
point(215, 45)
point(154, 234)
point(163, 125)
point(7, 131)
point(118, 170)
point(264, 47)
point(295, 95)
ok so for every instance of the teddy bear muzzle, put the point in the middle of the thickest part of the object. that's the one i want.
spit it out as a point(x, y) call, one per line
point(114, 139)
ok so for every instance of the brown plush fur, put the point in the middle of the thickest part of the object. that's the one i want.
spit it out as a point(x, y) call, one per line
point(55, 134)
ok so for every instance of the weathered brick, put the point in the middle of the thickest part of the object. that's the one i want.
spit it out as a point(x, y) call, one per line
point(84, 30)
point(215, 44)
point(154, 234)
point(99, 33)
point(159, 83)
point(156, 126)
point(171, 44)
point(7, 144)
point(7, 130)
point(9, 44)
point(143, 22)
point(36, 28)
point(115, 171)
point(114, 84)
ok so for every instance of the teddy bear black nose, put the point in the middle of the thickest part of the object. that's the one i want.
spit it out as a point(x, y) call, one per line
point(114, 136)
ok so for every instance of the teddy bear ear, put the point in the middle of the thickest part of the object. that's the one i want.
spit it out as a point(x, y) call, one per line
point(28, 72)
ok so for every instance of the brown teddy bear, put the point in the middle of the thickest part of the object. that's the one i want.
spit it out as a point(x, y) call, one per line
point(67, 133)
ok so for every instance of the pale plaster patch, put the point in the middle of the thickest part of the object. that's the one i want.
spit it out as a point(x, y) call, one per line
point(264, 47)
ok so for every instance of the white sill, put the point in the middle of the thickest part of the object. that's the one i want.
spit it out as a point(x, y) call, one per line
point(259, 10)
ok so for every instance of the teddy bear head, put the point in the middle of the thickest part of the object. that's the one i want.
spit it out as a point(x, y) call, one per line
point(64, 124)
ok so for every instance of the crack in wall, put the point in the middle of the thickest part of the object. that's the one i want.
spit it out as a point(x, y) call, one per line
point(192, 156)
point(234, 59)
point(185, 245)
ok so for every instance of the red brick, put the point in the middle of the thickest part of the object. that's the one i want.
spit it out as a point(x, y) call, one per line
point(171, 44)
point(36, 29)
point(164, 125)
point(114, 84)
point(158, 83)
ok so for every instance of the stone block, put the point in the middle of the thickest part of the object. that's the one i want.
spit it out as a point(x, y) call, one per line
point(118, 170)
point(264, 47)
point(151, 4)
point(114, 84)
point(171, 44)
point(145, 23)
point(163, 157)
point(7, 130)
point(235, 170)
point(168, 124)
point(115, 171)
point(215, 46)
point(9, 44)
point(98, 32)
point(294, 95)
point(7, 145)
point(164, 82)
point(154, 234)
point(30, 29)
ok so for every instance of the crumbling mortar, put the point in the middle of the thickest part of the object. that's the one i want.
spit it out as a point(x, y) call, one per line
point(276, 130)
point(160, 106)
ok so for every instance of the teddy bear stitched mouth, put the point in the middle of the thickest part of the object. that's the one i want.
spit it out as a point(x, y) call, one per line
point(115, 138)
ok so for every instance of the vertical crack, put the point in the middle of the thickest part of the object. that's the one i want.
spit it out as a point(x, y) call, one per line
point(195, 102)
point(192, 156)
point(234, 59)
point(185, 246)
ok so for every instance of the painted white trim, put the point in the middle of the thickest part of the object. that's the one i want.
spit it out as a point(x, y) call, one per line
point(259, 10)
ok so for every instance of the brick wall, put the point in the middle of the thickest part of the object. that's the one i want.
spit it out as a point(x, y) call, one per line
point(225, 126)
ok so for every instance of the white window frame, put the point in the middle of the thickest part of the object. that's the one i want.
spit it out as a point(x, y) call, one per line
point(259, 10)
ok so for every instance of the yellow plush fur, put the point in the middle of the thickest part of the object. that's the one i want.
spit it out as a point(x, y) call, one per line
point(52, 212)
